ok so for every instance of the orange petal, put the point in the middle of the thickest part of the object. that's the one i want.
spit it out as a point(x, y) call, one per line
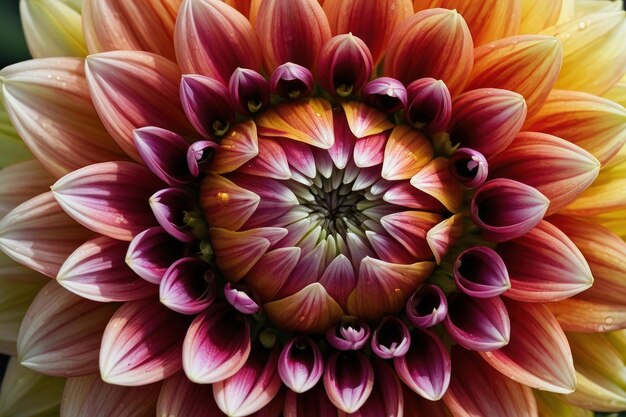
point(111, 25)
point(240, 145)
point(538, 15)
point(272, 270)
point(599, 316)
point(225, 204)
point(595, 124)
point(371, 21)
point(526, 64)
point(309, 310)
point(551, 405)
point(432, 43)
point(291, 31)
point(488, 394)
point(594, 43)
point(365, 120)
point(443, 235)
point(488, 20)
point(435, 180)
point(557, 168)
point(409, 228)
point(48, 102)
point(407, 151)
point(133, 89)
point(309, 121)
point(538, 354)
point(382, 288)
point(213, 39)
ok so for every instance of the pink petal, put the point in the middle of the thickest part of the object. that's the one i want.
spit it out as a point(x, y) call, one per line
point(164, 153)
point(391, 339)
point(480, 272)
point(253, 387)
point(344, 65)
point(21, 182)
point(292, 81)
point(429, 105)
point(490, 393)
point(339, 280)
point(110, 198)
point(538, 354)
point(272, 270)
point(348, 380)
point(152, 252)
point(249, 91)
point(200, 153)
point(505, 209)
point(90, 396)
point(270, 161)
point(426, 366)
point(49, 104)
point(142, 344)
point(469, 167)
point(385, 94)
point(435, 180)
point(132, 89)
point(427, 307)
point(213, 39)
point(54, 339)
point(351, 333)
point(217, 345)
point(97, 270)
point(300, 364)
point(480, 324)
point(313, 403)
point(188, 286)
point(170, 206)
point(387, 397)
point(40, 235)
point(181, 397)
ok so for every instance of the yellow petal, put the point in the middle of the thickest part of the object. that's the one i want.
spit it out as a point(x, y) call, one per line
point(594, 51)
point(538, 15)
point(53, 28)
point(550, 405)
point(617, 93)
point(584, 7)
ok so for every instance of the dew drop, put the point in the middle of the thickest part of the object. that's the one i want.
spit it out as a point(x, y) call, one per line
point(608, 321)
point(582, 26)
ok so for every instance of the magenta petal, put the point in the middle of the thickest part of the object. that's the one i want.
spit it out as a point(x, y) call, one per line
point(481, 273)
point(199, 153)
point(97, 270)
point(292, 81)
point(188, 286)
point(110, 198)
point(469, 167)
point(427, 307)
point(429, 105)
point(300, 364)
point(480, 324)
point(506, 209)
point(152, 252)
point(344, 65)
point(386, 94)
point(142, 344)
point(181, 397)
point(253, 387)
point(348, 380)
point(164, 153)
point(243, 298)
point(207, 105)
point(249, 91)
point(351, 333)
point(426, 367)
point(387, 398)
point(313, 403)
point(169, 207)
point(217, 345)
point(391, 338)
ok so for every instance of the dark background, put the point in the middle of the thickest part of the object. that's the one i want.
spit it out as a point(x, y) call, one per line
point(13, 49)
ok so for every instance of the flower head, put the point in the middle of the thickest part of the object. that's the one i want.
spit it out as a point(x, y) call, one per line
point(280, 207)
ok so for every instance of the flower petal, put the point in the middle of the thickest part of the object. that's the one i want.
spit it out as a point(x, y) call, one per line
point(443, 235)
point(21, 182)
point(545, 265)
point(311, 309)
point(526, 64)
point(594, 42)
point(391, 339)
point(386, 398)
point(348, 380)
point(110, 198)
point(558, 169)
point(40, 235)
point(291, 31)
point(90, 396)
point(538, 354)
point(432, 43)
point(382, 288)
point(48, 102)
point(300, 364)
point(217, 345)
point(364, 120)
point(142, 344)
point(181, 397)
point(164, 153)
point(436, 180)
point(133, 89)
point(313, 403)
point(97, 271)
point(406, 153)
point(538, 15)
point(489, 394)
point(480, 272)
point(152, 252)
point(116, 25)
point(53, 28)
point(188, 286)
point(69, 347)
point(426, 366)
point(253, 387)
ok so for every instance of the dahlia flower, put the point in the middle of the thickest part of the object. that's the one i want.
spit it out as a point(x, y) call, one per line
point(299, 208)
